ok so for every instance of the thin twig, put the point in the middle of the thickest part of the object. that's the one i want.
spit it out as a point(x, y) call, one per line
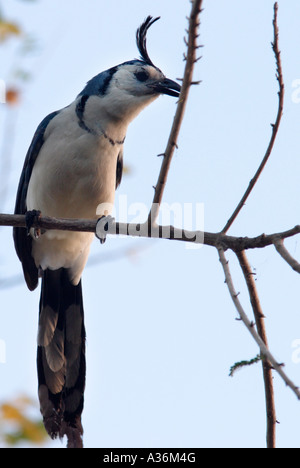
point(282, 250)
point(275, 127)
point(250, 326)
point(241, 364)
point(187, 82)
point(261, 330)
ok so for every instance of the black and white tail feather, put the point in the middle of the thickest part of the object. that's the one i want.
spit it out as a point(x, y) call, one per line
point(61, 356)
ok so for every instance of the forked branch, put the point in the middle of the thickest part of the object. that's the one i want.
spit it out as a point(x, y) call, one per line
point(251, 327)
point(275, 127)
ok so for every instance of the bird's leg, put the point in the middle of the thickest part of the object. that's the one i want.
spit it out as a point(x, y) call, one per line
point(103, 224)
point(30, 218)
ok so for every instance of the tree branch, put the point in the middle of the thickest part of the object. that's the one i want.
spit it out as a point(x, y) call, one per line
point(250, 325)
point(275, 127)
point(282, 250)
point(234, 243)
point(187, 81)
point(261, 329)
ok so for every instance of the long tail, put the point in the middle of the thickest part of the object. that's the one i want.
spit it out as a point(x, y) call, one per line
point(61, 356)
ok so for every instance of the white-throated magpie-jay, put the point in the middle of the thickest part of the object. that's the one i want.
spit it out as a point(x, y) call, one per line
point(72, 168)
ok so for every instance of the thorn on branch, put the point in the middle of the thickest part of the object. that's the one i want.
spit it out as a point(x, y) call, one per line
point(280, 364)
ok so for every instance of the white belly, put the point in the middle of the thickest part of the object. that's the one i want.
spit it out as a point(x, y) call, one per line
point(74, 180)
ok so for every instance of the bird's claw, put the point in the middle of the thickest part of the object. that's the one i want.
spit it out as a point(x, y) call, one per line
point(30, 218)
point(102, 227)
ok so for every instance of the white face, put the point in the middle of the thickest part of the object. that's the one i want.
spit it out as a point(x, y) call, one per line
point(131, 89)
point(137, 80)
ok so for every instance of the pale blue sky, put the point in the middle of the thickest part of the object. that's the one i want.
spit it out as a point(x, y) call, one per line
point(161, 328)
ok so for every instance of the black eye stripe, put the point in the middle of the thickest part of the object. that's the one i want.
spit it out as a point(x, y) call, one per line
point(142, 75)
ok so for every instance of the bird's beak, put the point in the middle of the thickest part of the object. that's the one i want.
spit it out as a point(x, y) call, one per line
point(167, 86)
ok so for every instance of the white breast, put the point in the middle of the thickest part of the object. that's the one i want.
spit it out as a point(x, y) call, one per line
point(74, 175)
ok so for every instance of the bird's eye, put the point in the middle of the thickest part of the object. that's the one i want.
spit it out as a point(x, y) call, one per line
point(142, 75)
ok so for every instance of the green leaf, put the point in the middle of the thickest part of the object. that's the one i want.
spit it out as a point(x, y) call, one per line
point(240, 364)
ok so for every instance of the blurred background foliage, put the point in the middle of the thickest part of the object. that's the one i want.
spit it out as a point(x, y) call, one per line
point(20, 423)
point(20, 420)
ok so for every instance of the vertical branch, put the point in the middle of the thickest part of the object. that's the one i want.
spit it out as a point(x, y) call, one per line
point(267, 368)
point(275, 127)
point(191, 59)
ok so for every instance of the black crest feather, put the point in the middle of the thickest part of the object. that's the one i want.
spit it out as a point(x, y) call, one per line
point(141, 38)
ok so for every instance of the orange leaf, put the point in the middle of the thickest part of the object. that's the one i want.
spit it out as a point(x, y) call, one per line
point(12, 96)
point(8, 29)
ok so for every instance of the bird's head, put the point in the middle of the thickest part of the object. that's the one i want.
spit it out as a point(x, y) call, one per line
point(127, 88)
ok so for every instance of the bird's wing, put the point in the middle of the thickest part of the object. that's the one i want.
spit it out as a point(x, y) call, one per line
point(23, 242)
point(119, 168)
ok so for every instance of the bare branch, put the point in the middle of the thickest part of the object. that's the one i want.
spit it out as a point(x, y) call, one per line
point(250, 326)
point(261, 329)
point(282, 250)
point(48, 223)
point(275, 127)
point(145, 230)
point(187, 81)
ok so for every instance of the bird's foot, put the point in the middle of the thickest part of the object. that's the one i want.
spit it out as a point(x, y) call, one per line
point(30, 218)
point(102, 227)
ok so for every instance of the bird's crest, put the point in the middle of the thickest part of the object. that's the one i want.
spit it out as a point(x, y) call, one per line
point(141, 38)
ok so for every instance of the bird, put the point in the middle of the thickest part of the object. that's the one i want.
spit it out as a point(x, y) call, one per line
point(72, 169)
